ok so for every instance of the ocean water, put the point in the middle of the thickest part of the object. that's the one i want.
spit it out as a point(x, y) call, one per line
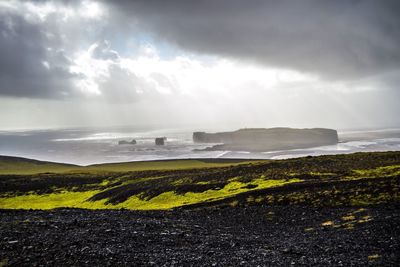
point(90, 146)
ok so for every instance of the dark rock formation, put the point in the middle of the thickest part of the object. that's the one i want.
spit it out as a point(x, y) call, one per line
point(123, 142)
point(260, 139)
point(160, 141)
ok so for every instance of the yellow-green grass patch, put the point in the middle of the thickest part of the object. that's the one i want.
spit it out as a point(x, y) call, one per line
point(379, 172)
point(63, 199)
point(165, 200)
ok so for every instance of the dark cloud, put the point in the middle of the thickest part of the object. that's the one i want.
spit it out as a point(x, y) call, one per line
point(341, 39)
point(29, 67)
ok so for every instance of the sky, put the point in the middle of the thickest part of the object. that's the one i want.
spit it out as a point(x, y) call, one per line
point(205, 63)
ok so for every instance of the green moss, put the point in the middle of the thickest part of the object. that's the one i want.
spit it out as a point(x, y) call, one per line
point(250, 199)
point(203, 182)
point(3, 262)
point(328, 223)
point(381, 172)
point(166, 200)
point(349, 221)
point(322, 173)
point(369, 199)
point(312, 173)
point(234, 203)
point(374, 257)
point(181, 181)
point(52, 201)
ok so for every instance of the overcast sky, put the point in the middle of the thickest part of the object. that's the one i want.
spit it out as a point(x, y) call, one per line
point(205, 63)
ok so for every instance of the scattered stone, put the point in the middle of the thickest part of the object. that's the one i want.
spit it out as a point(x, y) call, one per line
point(219, 236)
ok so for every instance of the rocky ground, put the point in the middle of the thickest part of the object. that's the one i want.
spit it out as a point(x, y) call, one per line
point(221, 236)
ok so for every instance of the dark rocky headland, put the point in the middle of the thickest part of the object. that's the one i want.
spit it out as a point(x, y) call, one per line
point(261, 140)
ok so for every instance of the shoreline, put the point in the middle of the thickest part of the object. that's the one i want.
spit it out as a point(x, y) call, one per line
point(205, 159)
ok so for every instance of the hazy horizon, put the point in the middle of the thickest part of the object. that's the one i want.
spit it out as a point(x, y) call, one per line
point(199, 64)
point(192, 128)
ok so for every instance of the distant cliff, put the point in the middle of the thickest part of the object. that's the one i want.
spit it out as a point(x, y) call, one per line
point(260, 139)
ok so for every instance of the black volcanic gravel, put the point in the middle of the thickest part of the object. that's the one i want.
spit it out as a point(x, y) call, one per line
point(248, 236)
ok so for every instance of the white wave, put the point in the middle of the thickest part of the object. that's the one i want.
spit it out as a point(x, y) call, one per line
point(222, 154)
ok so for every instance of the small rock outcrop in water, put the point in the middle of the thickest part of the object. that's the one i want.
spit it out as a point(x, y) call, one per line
point(123, 142)
point(160, 141)
point(260, 139)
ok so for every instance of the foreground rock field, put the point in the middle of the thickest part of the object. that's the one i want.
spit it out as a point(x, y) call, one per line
point(255, 236)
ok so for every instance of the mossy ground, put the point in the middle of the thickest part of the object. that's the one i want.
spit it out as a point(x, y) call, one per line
point(356, 179)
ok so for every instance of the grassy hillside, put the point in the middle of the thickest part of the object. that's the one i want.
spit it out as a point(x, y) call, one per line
point(356, 179)
point(16, 165)
point(167, 165)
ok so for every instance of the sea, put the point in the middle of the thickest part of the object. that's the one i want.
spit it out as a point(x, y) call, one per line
point(86, 146)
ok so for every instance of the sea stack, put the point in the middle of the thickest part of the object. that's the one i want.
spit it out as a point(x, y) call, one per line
point(160, 141)
point(123, 142)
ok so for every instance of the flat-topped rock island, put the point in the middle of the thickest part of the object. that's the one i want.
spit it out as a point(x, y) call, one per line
point(263, 139)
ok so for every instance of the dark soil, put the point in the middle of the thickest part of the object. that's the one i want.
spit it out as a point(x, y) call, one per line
point(220, 236)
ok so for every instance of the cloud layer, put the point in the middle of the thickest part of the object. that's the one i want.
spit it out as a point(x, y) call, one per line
point(338, 39)
point(243, 63)
point(334, 40)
